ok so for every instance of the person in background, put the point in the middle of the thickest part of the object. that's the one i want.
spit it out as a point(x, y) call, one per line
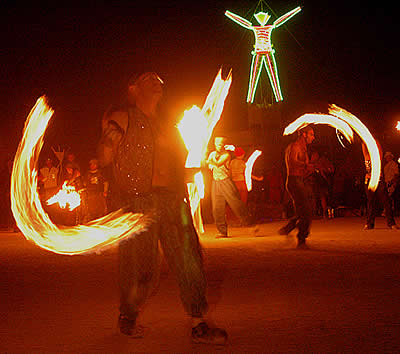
point(48, 177)
point(73, 178)
point(96, 191)
point(380, 194)
point(391, 173)
point(298, 167)
point(223, 189)
point(237, 167)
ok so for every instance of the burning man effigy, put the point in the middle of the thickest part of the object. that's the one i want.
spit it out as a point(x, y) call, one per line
point(148, 161)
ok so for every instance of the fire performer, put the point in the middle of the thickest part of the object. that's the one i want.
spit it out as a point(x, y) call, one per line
point(298, 167)
point(223, 189)
point(148, 170)
point(380, 194)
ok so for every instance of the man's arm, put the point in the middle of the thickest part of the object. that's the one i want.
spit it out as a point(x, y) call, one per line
point(239, 20)
point(219, 161)
point(281, 20)
point(111, 137)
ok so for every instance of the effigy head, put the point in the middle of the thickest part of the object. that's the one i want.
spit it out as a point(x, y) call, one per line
point(262, 17)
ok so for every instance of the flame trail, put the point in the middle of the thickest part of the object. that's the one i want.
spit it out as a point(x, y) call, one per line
point(249, 168)
point(196, 128)
point(368, 139)
point(342, 120)
point(34, 222)
point(315, 118)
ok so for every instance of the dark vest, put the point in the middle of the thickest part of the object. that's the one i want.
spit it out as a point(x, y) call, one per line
point(133, 167)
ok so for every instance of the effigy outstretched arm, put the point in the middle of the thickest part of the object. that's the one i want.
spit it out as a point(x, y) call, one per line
point(281, 20)
point(239, 20)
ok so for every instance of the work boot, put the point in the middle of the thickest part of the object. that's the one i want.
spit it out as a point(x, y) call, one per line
point(301, 244)
point(129, 327)
point(202, 333)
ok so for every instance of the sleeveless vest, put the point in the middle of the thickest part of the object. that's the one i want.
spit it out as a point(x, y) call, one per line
point(133, 167)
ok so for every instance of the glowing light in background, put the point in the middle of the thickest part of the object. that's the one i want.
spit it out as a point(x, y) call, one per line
point(34, 222)
point(339, 116)
point(196, 127)
point(263, 54)
point(249, 168)
point(398, 125)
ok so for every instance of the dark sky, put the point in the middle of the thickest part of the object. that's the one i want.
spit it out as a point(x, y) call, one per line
point(81, 55)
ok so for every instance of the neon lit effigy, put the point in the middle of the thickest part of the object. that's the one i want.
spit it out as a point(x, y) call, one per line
point(263, 53)
point(342, 120)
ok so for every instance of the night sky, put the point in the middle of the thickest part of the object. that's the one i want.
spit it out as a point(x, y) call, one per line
point(81, 56)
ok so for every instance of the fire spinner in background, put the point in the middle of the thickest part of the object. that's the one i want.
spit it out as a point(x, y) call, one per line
point(263, 53)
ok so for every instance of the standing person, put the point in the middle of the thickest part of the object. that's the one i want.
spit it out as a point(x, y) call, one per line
point(298, 167)
point(380, 194)
point(236, 171)
point(96, 191)
point(48, 177)
point(73, 178)
point(391, 173)
point(237, 168)
point(223, 190)
point(148, 177)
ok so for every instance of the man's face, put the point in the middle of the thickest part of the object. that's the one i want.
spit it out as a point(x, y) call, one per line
point(150, 85)
point(309, 136)
point(219, 144)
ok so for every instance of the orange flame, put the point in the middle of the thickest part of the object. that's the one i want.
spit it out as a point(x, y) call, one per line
point(28, 212)
point(368, 139)
point(67, 198)
point(315, 118)
point(249, 168)
point(196, 128)
point(341, 120)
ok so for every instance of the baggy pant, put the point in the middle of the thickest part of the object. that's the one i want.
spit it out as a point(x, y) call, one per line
point(223, 192)
point(139, 260)
point(380, 194)
point(303, 213)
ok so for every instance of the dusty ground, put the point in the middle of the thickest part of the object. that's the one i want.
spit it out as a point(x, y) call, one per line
point(342, 295)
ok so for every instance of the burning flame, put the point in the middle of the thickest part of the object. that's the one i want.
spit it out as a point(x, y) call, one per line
point(342, 121)
point(249, 168)
point(34, 222)
point(315, 118)
point(368, 139)
point(67, 198)
point(196, 128)
point(398, 125)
